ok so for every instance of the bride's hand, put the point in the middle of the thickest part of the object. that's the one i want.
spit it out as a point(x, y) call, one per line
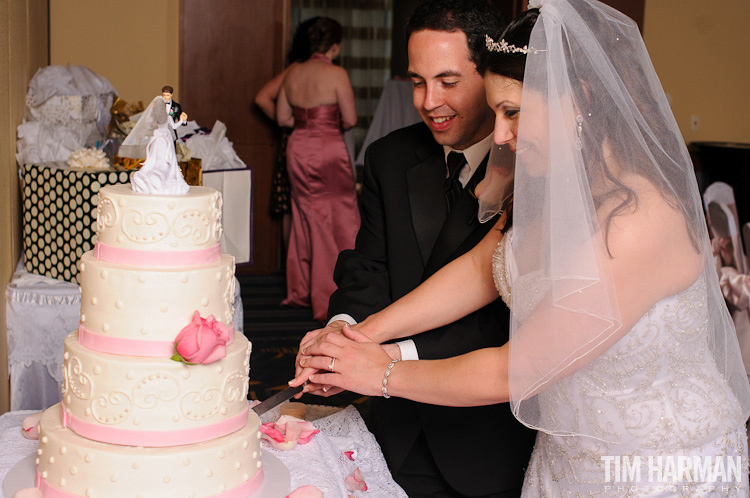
point(359, 363)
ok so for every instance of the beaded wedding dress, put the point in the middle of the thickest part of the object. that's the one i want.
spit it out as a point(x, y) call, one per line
point(656, 391)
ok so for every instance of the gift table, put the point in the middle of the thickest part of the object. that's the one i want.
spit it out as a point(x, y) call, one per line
point(320, 462)
point(40, 312)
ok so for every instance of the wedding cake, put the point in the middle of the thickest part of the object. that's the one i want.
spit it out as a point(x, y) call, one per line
point(155, 380)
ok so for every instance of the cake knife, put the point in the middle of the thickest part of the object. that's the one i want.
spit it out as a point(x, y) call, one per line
point(277, 399)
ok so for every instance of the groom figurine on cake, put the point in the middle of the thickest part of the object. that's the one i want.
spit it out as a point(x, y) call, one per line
point(173, 108)
point(418, 214)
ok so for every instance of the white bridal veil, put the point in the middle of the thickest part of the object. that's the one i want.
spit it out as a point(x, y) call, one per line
point(590, 90)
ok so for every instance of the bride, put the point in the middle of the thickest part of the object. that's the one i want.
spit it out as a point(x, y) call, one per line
point(160, 172)
point(622, 353)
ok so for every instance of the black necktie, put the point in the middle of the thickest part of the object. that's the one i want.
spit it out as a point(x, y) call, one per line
point(455, 161)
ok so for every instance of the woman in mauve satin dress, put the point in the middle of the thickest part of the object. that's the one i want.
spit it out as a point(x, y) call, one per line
point(317, 99)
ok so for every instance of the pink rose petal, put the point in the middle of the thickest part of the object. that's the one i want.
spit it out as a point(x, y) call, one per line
point(355, 482)
point(349, 455)
point(306, 492)
point(30, 426)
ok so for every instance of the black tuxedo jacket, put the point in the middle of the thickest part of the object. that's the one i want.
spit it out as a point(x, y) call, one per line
point(406, 235)
point(174, 113)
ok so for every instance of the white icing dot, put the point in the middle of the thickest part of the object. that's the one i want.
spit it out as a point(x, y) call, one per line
point(89, 493)
point(67, 399)
point(185, 375)
point(121, 203)
point(244, 444)
point(204, 301)
point(219, 369)
point(51, 459)
point(223, 410)
point(171, 205)
point(45, 439)
point(62, 482)
point(173, 244)
point(120, 238)
point(163, 308)
point(184, 279)
point(175, 418)
point(44, 474)
point(209, 473)
point(113, 478)
point(257, 435)
point(73, 470)
point(186, 462)
point(104, 274)
point(136, 421)
point(237, 465)
point(259, 464)
point(129, 375)
point(222, 488)
point(136, 465)
point(88, 458)
point(218, 276)
point(36, 460)
point(245, 476)
point(105, 327)
point(144, 331)
point(141, 278)
point(255, 454)
point(66, 355)
point(83, 318)
point(39, 452)
point(93, 301)
point(166, 479)
point(63, 450)
point(97, 369)
point(119, 304)
point(221, 454)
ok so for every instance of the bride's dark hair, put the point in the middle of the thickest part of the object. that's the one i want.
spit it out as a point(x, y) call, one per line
point(323, 33)
point(590, 98)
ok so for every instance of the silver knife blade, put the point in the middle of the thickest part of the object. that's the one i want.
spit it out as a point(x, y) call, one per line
point(276, 399)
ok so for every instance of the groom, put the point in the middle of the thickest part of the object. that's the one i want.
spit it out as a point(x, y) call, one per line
point(418, 214)
point(174, 110)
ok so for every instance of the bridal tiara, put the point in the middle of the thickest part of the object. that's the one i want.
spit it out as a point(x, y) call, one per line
point(505, 47)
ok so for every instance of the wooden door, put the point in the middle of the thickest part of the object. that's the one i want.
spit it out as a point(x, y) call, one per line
point(228, 50)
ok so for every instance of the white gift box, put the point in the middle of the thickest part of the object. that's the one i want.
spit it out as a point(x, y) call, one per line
point(235, 186)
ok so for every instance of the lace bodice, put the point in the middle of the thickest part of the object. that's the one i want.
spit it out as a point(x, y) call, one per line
point(656, 391)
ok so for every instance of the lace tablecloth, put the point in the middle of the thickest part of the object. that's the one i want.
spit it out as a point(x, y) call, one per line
point(319, 463)
point(41, 311)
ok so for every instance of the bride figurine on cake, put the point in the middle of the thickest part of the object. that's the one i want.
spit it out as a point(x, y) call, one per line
point(152, 137)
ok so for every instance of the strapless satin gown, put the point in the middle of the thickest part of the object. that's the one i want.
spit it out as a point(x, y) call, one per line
point(325, 216)
point(659, 392)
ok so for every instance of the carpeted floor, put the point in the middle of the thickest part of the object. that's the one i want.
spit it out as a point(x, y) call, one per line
point(275, 332)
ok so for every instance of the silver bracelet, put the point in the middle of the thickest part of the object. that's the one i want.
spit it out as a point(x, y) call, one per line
point(385, 378)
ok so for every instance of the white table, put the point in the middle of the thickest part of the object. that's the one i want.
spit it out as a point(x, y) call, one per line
point(41, 311)
point(319, 463)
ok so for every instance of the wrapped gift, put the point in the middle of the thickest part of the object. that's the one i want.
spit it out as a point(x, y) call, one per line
point(235, 186)
point(59, 215)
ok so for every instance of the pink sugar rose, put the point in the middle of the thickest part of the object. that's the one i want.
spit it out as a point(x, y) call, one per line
point(306, 492)
point(287, 431)
point(203, 340)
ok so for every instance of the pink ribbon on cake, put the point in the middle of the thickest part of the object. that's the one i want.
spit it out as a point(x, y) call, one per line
point(152, 439)
point(156, 259)
point(242, 491)
point(130, 347)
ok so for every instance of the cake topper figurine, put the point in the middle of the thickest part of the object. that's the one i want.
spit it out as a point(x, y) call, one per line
point(153, 138)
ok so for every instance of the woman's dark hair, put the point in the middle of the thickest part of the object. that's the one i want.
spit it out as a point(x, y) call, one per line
point(299, 51)
point(517, 33)
point(473, 17)
point(323, 33)
point(590, 98)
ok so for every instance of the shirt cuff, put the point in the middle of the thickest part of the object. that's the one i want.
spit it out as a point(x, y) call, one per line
point(408, 350)
point(342, 317)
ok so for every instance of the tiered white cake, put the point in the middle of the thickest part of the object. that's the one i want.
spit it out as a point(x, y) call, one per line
point(133, 421)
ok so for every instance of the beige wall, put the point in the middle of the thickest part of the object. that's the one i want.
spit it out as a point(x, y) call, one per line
point(701, 52)
point(23, 49)
point(133, 43)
